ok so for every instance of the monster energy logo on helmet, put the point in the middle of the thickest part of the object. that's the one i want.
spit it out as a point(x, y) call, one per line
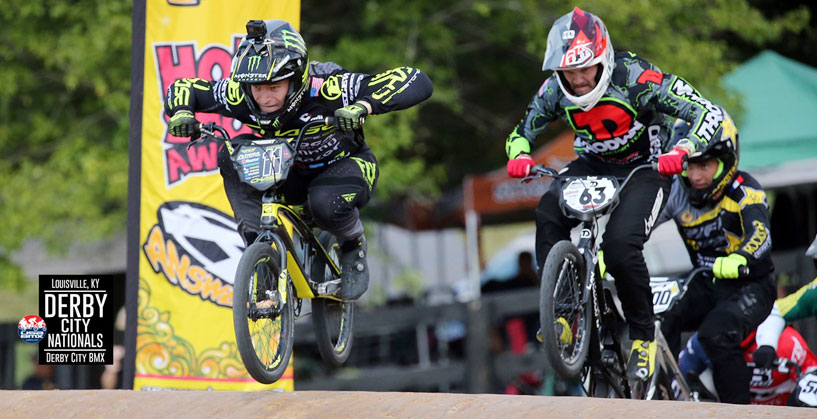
point(253, 62)
point(293, 40)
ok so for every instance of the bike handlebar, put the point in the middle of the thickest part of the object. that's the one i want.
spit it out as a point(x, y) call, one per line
point(743, 272)
point(541, 170)
point(210, 129)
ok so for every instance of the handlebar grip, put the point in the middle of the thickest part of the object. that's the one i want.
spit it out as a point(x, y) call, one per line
point(743, 271)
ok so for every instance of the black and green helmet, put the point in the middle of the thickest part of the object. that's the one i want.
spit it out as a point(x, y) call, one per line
point(273, 50)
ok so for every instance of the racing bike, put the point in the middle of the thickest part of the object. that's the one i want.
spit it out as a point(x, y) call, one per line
point(290, 260)
point(581, 322)
point(580, 331)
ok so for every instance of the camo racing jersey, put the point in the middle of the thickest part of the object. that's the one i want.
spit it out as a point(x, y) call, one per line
point(630, 123)
point(330, 87)
point(739, 223)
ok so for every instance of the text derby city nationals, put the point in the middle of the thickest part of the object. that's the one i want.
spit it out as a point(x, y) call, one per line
point(75, 312)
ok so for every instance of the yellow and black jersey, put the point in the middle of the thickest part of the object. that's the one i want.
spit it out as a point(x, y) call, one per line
point(739, 223)
point(330, 87)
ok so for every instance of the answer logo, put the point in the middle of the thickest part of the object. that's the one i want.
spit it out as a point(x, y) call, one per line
point(196, 248)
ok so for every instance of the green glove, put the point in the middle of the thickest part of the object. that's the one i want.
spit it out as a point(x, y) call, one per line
point(349, 117)
point(183, 124)
point(728, 267)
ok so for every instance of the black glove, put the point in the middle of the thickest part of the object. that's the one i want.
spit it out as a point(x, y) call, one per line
point(764, 356)
point(183, 124)
point(348, 118)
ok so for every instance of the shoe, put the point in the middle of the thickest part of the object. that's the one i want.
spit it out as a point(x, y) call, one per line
point(642, 360)
point(564, 332)
point(354, 277)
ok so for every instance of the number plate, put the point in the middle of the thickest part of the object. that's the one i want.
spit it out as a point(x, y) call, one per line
point(261, 166)
point(588, 194)
point(808, 389)
point(664, 293)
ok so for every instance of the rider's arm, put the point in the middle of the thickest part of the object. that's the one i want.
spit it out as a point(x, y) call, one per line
point(674, 96)
point(768, 333)
point(754, 213)
point(199, 95)
point(540, 113)
point(800, 304)
point(391, 90)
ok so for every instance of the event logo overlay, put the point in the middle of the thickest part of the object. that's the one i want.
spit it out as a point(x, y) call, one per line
point(78, 310)
point(31, 328)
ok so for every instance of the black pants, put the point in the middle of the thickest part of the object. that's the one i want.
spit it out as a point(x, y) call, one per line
point(333, 194)
point(723, 313)
point(628, 228)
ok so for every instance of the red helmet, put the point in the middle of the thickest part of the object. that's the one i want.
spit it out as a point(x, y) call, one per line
point(577, 40)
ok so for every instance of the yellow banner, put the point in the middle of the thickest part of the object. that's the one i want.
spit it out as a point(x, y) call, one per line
point(189, 245)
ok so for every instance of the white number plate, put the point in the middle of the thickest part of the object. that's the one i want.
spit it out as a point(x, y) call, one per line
point(588, 194)
point(808, 390)
point(663, 293)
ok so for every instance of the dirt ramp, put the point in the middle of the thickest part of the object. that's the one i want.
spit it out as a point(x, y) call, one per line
point(319, 404)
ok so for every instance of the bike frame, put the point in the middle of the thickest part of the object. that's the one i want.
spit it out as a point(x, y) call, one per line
point(279, 222)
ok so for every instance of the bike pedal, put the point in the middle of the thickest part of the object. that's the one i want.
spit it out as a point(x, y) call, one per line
point(328, 287)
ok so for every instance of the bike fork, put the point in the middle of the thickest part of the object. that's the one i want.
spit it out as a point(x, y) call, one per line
point(682, 391)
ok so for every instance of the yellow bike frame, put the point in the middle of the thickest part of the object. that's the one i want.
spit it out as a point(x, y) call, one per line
point(287, 220)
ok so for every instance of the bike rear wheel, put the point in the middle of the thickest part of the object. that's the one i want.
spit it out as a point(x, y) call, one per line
point(262, 317)
point(564, 317)
point(332, 320)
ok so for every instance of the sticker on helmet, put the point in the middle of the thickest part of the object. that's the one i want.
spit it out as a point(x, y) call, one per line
point(578, 55)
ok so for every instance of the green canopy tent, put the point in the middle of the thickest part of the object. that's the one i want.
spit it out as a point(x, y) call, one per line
point(778, 131)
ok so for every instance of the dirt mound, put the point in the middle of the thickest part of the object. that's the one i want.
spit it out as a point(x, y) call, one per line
point(311, 404)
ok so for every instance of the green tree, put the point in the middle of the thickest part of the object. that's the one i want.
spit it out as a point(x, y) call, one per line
point(485, 58)
point(64, 130)
point(66, 74)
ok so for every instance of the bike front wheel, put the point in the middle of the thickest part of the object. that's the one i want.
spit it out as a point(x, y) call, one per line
point(565, 318)
point(263, 313)
point(332, 320)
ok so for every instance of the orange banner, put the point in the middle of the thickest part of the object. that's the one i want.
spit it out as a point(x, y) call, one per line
point(189, 247)
point(496, 192)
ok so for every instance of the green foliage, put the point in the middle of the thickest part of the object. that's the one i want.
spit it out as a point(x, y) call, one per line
point(64, 131)
point(66, 73)
point(484, 58)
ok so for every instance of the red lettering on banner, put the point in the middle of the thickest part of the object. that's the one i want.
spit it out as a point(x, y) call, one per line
point(212, 58)
point(177, 166)
point(169, 69)
point(650, 75)
point(181, 60)
point(605, 121)
point(204, 157)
